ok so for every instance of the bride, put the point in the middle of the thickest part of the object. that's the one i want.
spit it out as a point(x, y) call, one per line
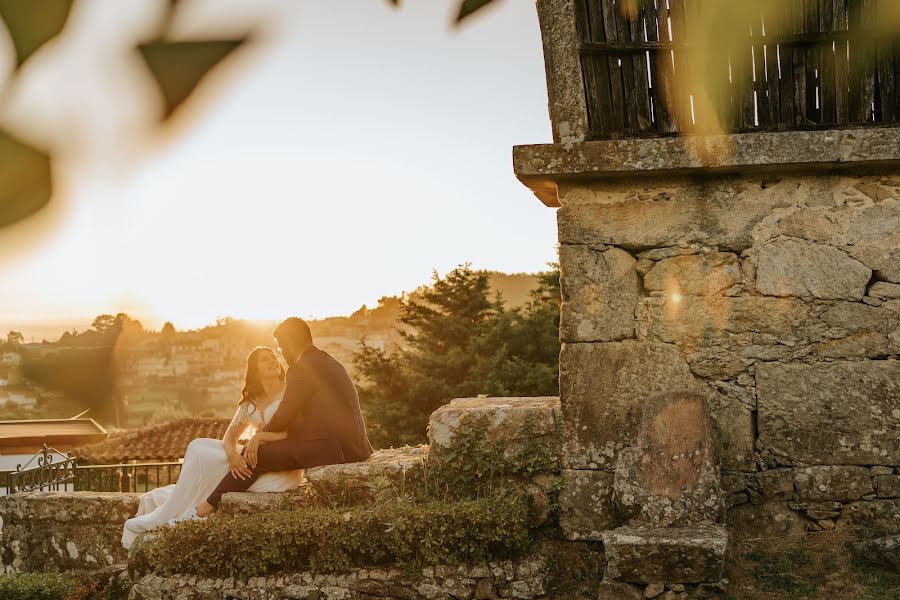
point(207, 461)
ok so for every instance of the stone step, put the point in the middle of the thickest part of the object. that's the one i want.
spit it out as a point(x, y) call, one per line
point(390, 470)
point(670, 555)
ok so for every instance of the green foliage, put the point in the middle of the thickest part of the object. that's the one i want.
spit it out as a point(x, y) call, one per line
point(459, 343)
point(37, 586)
point(780, 573)
point(337, 539)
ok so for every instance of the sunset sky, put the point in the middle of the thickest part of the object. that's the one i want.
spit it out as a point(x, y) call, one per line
point(342, 158)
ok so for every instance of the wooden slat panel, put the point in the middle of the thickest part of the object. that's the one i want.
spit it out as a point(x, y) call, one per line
point(623, 35)
point(841, 65)
point(770, 70)
point(811, 23)
point(886, 83)
point(862, 84)
point(595, 72)
point(785, 55)
point(662, 73)
point(682, 96)
point(826, 64)
point(799, 58)
point(606, 13)
point(640, 98)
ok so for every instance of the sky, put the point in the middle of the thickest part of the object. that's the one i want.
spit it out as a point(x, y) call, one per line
point(346, 155)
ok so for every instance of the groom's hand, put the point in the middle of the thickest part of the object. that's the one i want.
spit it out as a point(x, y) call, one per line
point(251, 451)
point(238, 466)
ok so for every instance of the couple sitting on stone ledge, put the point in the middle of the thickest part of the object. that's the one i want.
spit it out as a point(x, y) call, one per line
point(304, 418)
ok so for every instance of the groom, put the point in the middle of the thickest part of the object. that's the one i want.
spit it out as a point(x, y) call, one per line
point(320, 414)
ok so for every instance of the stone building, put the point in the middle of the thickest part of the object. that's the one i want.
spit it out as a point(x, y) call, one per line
point(759, 268)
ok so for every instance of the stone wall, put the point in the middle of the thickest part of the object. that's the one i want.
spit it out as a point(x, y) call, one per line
point(523, 579)
point(777, 296)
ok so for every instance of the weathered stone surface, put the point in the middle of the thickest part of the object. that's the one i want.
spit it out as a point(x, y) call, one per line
point(74, 531)
point(692, 321)
point(845, 319)
point(874, 239)
point(603, 388)
point(586, 504)
point(882, 551)
point(826, 413)
point(672, 554)
point(716, 363)
point(516, 425)
point(884, 514)
point(769, 519)
point(616, 590)
point(733, 425)
point(637, 215)
point(888, 486)
point(810, 224)
point(670, 476)
point(884, 290)
point(524, 579)
point(833, 483)
point(694, 274)
point(869, 344)
point(776, 485)
point(600, 290)
point(803, 269)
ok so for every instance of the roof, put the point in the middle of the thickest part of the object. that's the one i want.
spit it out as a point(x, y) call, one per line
point(167, 441)
point(53, 432)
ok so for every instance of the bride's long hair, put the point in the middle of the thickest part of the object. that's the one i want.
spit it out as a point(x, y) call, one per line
point(252, 381)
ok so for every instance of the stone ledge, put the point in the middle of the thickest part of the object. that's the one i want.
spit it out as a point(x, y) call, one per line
point(541, 166)
point(671, 554)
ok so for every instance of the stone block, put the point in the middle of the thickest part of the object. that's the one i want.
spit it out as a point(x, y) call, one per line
point(641, 214)
point(600, 290)
point(694, 274)
point(810, 224)
point(603, 389)
point(804, 269)
point(672, 554)
point(888, 486)
point(616, 590)
point(868, 344)
point(884, 290)
point(825, 413)
point(516, 428)
point(884, 514)
point(776, 484)
point(845, 319)
point(874, 239)
point(693, 321)
point(733, 425)
point(586, 504)
point(881, 551)
point(839, 484)
point(769, 519)
point(670, 477)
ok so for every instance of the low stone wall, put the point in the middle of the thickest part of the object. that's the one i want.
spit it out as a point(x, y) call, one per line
point(523, 579)
point(64, 531)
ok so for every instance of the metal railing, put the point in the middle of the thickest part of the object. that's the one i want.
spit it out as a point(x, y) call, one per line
point(54, 471)
point(128, 477)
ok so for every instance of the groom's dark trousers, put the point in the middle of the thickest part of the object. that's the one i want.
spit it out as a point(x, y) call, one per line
point(320, 413)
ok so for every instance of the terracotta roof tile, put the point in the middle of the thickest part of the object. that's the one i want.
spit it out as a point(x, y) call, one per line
point(164, 442)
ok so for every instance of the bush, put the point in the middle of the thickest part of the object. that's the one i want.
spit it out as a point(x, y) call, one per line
point(337, 539)
point(37, 586)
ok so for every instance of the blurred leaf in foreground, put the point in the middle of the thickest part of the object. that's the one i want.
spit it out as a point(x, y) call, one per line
point(25, 180)
point(468, 7)
point(178, 67)
point(32, 24)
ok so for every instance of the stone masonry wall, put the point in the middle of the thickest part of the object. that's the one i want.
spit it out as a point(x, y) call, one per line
point(777, 296)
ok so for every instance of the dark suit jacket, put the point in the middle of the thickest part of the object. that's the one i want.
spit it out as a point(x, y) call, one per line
point(320, 402)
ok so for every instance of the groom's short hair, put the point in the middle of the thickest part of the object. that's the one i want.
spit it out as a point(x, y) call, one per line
point(294, 329)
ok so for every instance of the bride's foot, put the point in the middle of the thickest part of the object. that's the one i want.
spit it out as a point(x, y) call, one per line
point(204, 509)
point(190, 515)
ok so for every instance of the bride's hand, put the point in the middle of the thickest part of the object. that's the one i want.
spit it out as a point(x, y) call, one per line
point(237, 464)
point(251, 451)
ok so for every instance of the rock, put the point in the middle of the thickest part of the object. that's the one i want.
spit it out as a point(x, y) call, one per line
point(770, 519)
point(586, 504)
point(776, 484)
point(616, 590)
point(888, 486)
point(881, 470)
point(599, 292)
point(833, 483)
point(815, 413)
point(869, 344)
point(884, 290)
point(670, 477)
point(884, 514)
point(522, 430)
point(881, 551)
point(603, 388)
point(732, 482)
point(874, 239)
point(484, 590)
point(716, 363)
point(813, 225)
point(682, 555)
point(694, 274)
point(694, 321)
point(653, 590)
point(845, 319)
point(733, 426)
point(802, 269)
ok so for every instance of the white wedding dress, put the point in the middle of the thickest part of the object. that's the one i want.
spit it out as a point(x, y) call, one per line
point(205, 464)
